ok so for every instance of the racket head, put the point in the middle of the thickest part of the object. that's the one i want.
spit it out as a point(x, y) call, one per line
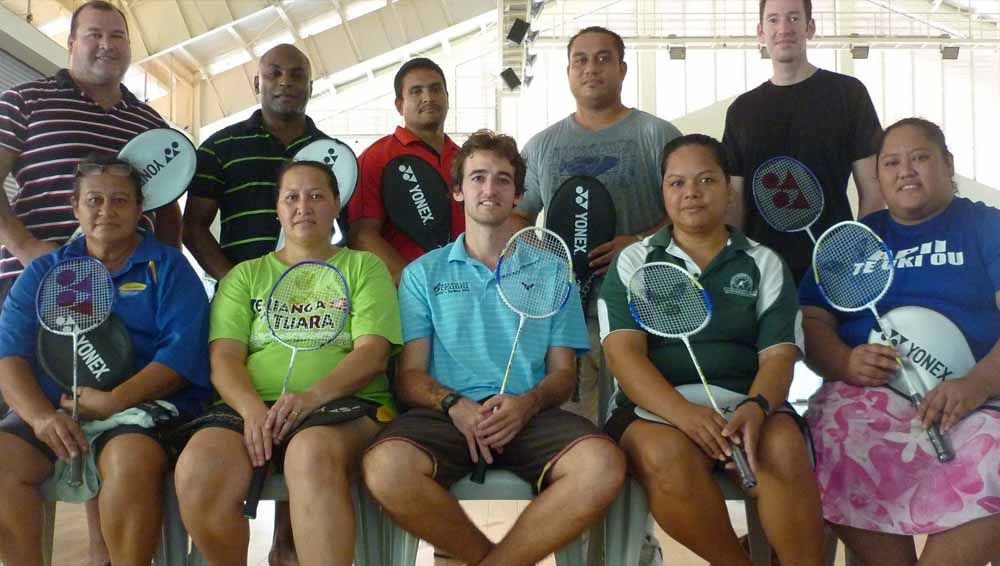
point(105, 356)
point(667, 301)
point(308, 306)
point(582, 213)
point(165, 160)
point(417, 200)
point(787, 194)
point(852, 265)
point(75, 296)
point(931, 345)
point(534, 274)
point(341, 160)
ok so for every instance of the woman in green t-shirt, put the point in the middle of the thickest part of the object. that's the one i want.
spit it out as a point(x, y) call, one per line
point(748, 348)
point(336, 398)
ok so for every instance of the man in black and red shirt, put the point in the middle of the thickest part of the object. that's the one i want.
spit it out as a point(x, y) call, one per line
point(422, 101)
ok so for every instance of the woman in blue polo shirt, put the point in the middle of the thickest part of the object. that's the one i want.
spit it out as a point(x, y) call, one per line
point(160, 301)
point(748, 348)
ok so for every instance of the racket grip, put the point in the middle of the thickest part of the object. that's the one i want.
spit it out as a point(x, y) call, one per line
point(253, 493)
point(747, 478)
point(75, 471)
point(941, 446)
point(479, 475)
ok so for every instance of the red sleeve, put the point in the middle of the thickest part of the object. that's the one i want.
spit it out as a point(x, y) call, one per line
point(367, 199)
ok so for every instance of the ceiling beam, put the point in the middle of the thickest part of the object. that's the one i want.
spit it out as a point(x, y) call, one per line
point(199, 37)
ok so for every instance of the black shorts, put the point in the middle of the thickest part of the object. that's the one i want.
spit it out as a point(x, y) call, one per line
point(546, 437)
point(162, 432)
point(335, 412)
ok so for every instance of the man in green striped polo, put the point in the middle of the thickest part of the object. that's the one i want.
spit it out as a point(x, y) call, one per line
point(237, 178)
point(237, 167)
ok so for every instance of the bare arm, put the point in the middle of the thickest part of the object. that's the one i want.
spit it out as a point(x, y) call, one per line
point(628, 360)
point(25, 397)
point(414, 386)
point(366, 234)
point(736, 213)
point(155, 381)
point(230, 376)
point(774, 373)
point(833, 360)
point(866, 179)
point(168, 224)
point(368, 359)
point(13, 234)
point(198, 216)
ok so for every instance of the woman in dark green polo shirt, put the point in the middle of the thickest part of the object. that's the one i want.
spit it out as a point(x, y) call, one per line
point(748, 348)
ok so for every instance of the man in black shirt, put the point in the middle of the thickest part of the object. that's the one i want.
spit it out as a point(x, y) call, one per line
point(824, 119)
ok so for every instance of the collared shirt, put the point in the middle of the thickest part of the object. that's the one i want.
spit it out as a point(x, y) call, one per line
point(754, 307)
point(51, 124)
point(238, 167)
point(453, 298)
point(159, 299)
point(367, 200)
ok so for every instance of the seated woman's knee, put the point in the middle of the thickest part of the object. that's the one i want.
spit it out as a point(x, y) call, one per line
point(132, 458)
point(210, 468)
point(320, 452)
point(782, 451)
point(667, 459)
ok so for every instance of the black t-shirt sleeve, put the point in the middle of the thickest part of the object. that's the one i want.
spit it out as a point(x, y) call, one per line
point(730, 140)
point(867, 130)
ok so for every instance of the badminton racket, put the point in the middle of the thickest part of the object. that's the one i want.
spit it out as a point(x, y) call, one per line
point(788, 195)
point(307, 308)
point(417, 201)
point(667, 301)
point(854, 270)
point(534, 277)
point(74, 297)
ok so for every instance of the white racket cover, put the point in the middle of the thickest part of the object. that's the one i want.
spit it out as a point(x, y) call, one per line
point(339, 157)
point(165, 160)
point(695, 393)
point(931, 345)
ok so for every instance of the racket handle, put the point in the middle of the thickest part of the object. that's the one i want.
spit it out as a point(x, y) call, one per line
point(941, 446)
point(253, 493)
point(75, 471)
point(479, 475)
point(747, 477)
point(942, 449)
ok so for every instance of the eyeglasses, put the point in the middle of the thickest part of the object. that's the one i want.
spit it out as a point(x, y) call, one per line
point(85, 169)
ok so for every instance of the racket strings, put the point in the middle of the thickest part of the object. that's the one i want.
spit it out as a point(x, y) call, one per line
point(75, 296)
point(667, 301)
point(853, 267)
point(535, 275)
point(308, 307)
point(788, 196)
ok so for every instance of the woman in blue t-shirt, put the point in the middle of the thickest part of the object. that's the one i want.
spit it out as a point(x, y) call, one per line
point(880, 479)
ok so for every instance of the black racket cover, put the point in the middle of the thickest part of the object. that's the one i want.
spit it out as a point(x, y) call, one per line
point(417, 201)
point(106, 356)
point(583, 214)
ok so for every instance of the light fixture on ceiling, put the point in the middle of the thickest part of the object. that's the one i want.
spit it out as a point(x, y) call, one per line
point(763, 53)
point(678, 53)
point(510, 78)
point(518, 30)
point(949, 52)
point(528, 79)
point(859, 51)
point(530, 59)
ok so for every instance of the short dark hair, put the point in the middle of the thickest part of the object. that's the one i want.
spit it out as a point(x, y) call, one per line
point(930, 130)
point(327, 173)
point(413, 65)
point(100, 5)
point(619, 42)
point(807, 5)
point(106, 159)
point(498, 144)
point(713, 145)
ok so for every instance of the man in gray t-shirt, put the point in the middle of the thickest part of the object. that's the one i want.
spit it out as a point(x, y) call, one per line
point(617, 145)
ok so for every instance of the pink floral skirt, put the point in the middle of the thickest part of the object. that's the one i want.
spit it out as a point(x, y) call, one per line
point(877, 470)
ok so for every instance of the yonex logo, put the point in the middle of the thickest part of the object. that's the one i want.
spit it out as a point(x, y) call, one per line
point(417, 194)
point(581, 223)
point(527, 286)
point(171, 152)
point(582, 197)
point(919, 355)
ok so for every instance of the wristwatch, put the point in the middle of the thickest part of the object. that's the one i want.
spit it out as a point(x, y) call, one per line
point(449, 401)
point(760, 401)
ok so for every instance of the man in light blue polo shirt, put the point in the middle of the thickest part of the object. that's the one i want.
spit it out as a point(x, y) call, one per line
point(458, 335)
